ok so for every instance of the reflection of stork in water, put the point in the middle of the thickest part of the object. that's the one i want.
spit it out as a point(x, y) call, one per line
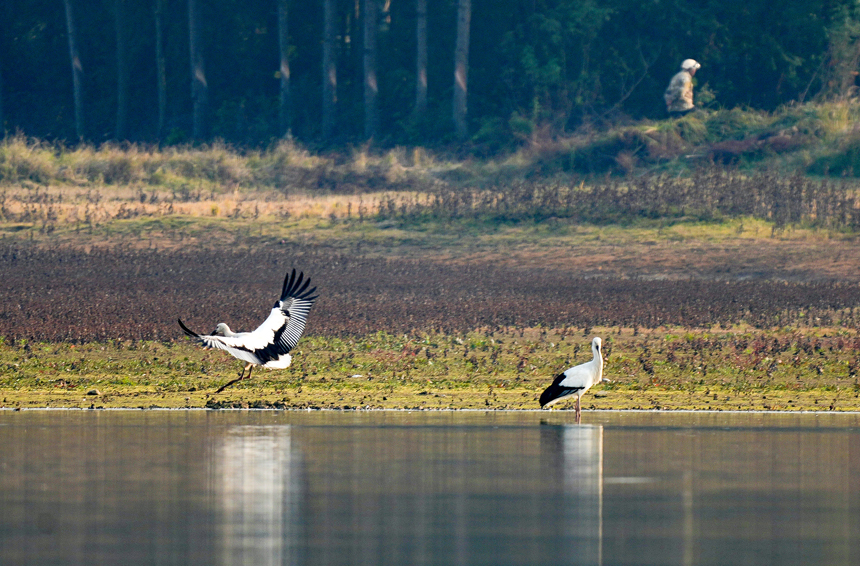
point(259, 479)
point(269, 345)
point(583, 479)
point(576, 380)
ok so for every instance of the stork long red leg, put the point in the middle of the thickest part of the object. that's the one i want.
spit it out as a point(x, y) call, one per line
point(242, 376)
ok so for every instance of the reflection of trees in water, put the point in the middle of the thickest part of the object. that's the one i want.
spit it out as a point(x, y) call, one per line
point(487, 495)
point(182, 488)
point(102, 487)
point(732, 489)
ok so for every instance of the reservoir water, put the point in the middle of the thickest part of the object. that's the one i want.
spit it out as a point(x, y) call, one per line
point(413, 488)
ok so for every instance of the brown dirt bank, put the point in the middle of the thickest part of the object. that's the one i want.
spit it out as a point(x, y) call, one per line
point(312, 396)
point(124, 294)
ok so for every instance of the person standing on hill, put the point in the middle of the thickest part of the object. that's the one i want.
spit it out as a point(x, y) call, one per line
point(679, 93)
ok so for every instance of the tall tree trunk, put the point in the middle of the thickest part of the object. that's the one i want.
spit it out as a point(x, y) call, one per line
point(2, 123)
point(121, 70)
point(6, 17)
point(371, 86)
point(199, 88)
point(420, 58)
point(77, 70)
point(286, 110)
point(161, 70)
point(329, 101)
point(461, 67)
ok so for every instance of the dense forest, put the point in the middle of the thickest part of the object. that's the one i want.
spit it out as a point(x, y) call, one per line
point(400, 71)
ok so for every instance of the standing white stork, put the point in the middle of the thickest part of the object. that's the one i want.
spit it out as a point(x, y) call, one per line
point(270, 344)
point(576, 380)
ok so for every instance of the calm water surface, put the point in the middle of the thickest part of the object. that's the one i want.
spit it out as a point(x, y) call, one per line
point(266, 487)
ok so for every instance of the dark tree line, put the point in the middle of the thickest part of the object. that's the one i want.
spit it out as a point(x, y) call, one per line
point(399, 71)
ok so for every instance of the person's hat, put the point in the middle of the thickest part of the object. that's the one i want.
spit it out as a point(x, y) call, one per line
point(688, 64)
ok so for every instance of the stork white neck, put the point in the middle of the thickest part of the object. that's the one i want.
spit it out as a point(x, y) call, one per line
point(223, 330)
point(597, 350)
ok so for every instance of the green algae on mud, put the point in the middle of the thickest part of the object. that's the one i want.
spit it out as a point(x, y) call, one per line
point(666, 369)
point(312, 396)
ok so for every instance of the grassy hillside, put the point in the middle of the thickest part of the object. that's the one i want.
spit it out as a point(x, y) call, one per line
point(816, 139)
point(711, 254)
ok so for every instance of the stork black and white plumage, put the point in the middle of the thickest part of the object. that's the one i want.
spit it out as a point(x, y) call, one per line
point(270, 344)
point(576, 380)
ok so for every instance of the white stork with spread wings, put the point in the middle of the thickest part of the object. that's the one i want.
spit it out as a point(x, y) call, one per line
point(270, 344)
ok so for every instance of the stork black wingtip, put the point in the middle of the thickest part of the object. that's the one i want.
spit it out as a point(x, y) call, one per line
point(288, 282)
point(545, 397)
point(187, 330)
point(296, 287)
point(309, 294)
point(300, 288)
point(552, 394)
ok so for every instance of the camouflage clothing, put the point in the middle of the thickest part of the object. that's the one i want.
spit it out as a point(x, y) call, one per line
point(679, 94)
